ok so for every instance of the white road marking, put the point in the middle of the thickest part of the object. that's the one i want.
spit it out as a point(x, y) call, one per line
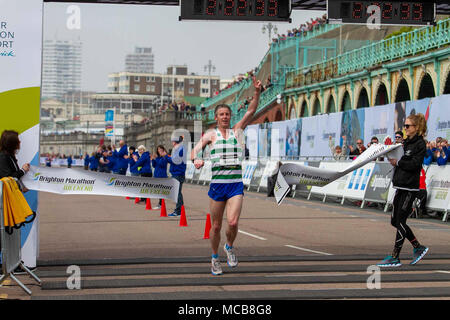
point(251, 235)
point(309, 250)
point(442, 271)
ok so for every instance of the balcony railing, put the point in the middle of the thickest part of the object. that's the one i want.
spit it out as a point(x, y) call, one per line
point(403, 45)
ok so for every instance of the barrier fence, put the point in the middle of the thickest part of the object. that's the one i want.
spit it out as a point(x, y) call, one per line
point(370, 183)
point(11, 254)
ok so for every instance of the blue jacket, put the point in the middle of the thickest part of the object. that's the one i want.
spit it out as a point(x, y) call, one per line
point(93, 162)
point(86, 161)
point(69, 160)
point(112, 162)
point(121, 162)
point(144, 162)
point(443, 158)
point(177, 161)
point(131, 163)
point(160, 165)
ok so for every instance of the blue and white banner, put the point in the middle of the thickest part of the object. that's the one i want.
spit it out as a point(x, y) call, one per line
point(72, 181)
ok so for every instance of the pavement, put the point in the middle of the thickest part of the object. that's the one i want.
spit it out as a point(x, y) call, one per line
point(303, 249)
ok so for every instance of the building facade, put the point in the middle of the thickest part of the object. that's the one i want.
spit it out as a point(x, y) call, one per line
point(141, 61)
point(172, 86)
point(61, 69)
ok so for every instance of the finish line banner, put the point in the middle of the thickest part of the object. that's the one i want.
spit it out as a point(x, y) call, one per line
point(291, 173)
point(72, 181)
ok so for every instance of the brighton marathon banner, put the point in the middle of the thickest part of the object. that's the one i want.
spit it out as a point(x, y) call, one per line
point(20, 82)
point(71, 181)
point(290, 173)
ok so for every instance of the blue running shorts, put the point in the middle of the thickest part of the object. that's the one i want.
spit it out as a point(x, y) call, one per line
point(225, 191)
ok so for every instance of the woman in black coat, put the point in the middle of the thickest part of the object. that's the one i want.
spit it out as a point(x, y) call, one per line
point(407, 182)
point(9, 145)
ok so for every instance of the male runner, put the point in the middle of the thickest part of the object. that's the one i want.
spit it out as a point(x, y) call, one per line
point(226, 188)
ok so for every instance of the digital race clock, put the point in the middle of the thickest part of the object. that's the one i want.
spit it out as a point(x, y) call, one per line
point(244, 10)
point(390, 12)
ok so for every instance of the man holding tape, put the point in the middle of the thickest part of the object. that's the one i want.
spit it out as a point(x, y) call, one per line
point(226, 188)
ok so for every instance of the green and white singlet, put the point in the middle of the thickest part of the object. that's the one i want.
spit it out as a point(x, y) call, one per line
point(226, 159)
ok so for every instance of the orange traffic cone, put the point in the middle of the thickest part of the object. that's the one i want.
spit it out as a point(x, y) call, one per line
point(207, 226)
point(128, 198)
point(136, 200)
point(148, 205)
point(163, 209)
point(183, 221)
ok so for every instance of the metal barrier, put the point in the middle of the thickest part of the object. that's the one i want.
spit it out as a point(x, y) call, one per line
point(11, 251)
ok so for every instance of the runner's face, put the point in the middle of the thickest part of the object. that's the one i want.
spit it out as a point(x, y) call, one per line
point(223, 117)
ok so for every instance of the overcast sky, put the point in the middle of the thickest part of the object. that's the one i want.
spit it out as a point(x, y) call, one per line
point(109, 32)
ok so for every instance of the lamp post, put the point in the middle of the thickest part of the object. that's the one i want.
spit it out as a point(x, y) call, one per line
point(269, 27)
point(210, 67)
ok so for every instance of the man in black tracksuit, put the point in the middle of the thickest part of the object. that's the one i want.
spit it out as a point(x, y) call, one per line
point(406, 181)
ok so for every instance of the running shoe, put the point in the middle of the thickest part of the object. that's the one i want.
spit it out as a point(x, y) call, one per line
point(156, 208)
point(418, 254)
point(231, 257)
point(216, 269)
point(174, 214)
point(390, 261)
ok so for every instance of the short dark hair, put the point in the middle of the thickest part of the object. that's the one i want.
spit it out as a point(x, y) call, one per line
point(400, 133)
point(9, 142)
point(223, 105)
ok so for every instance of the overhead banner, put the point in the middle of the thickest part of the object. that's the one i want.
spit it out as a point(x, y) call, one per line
point(72, 181)
point(291, 174)
point(20, 90)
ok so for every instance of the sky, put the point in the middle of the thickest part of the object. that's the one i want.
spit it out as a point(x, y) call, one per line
point(110, 31)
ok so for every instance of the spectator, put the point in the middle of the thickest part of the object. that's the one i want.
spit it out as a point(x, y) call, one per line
point(374, 140)
point(9, 145)
point(93, 161)
point(142, 163)
point(398, 137)
point(159, 163)
point(121, 165)
point(9, 167)
point(442, 152)
point(358, 150)
point(177, 169)
point(86, 161)
point(69, 161)
point(338, 152)
point(132, 161)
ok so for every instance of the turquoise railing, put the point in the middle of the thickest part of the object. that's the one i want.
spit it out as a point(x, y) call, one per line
point(281, 45)
point(406, 44)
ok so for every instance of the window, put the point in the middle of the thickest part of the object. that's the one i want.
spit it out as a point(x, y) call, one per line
point(205, 90)
point(136, 78)
point(191, 81)
point(137, 87)
point(204, 81)
point(191, 90)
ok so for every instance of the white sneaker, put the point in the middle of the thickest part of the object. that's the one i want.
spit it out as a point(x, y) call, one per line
point(216, 269)
point(156, 208)
point(231, 257)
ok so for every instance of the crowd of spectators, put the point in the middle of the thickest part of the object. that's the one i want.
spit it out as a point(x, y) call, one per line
point(302, 30)
point(437, 152)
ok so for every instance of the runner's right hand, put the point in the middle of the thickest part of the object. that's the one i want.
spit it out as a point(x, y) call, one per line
point(198, 163)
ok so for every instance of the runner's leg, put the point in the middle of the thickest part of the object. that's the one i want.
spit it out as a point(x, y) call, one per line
point(234, 208)
point(217, 209)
